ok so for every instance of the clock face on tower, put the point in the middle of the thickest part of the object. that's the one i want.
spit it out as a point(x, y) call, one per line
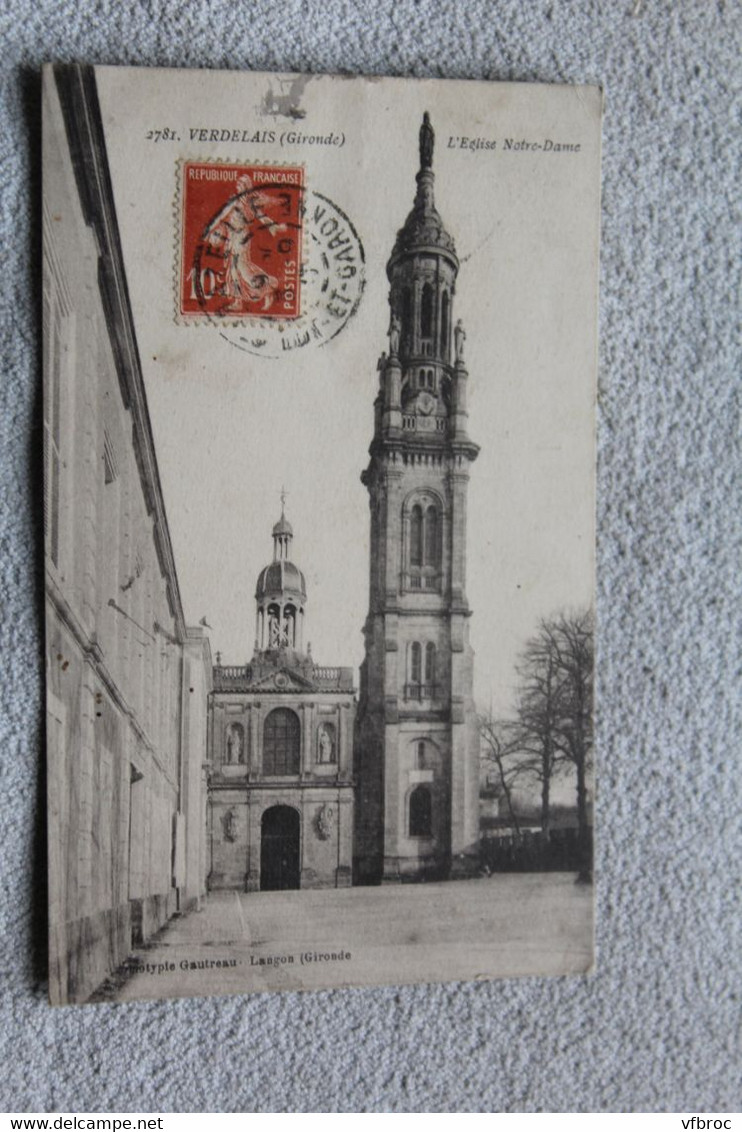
point(426, 403)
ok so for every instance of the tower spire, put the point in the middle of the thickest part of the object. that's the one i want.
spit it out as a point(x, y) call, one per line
point(424, 198)
point(416, 699)
point(423, 229)
point(420, 391)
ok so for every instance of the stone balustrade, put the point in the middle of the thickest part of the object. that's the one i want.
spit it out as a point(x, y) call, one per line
point(240, 678)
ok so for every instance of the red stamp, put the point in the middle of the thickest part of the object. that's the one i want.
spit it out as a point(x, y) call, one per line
point(241, 240)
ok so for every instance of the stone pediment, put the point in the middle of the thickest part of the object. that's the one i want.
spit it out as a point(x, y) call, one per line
point(282, 680)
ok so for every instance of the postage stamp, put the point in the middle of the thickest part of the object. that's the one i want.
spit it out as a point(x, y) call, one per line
point(241, 241)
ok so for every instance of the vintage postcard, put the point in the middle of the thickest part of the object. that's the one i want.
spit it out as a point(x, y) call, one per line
point(319, 380)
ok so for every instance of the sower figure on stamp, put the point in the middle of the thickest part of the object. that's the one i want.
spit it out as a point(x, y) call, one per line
point(231, 235)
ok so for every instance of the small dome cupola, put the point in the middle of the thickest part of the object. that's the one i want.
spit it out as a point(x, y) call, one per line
point(283, 533)
point(280, 595)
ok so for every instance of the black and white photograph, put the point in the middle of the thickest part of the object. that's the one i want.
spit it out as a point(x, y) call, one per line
point(319, 466)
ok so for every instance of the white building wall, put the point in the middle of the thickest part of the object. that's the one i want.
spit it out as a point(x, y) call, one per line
point(114, 641)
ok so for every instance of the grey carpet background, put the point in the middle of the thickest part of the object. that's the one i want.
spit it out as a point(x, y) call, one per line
point(657, 1028)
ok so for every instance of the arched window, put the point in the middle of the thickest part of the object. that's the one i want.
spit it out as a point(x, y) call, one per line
point(420, 756)
point(416, 536)
point(281, 743)
point(444, 324)
point(421, 812)
point(415, 663)
point(289, 626)
point(430, 663)
point(423, 552)
point(431, 536)
point(426, 312)
point(406, 316)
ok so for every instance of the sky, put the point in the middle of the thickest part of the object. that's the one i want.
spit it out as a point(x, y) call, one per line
point(232, 429)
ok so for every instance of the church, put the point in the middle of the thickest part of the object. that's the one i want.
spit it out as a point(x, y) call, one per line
point(302, 793)
point(280, 739)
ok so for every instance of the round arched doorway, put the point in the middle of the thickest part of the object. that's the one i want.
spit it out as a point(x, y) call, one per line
point(279, 849)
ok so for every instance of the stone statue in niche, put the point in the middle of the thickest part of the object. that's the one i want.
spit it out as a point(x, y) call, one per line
point(459, 338)
point(395, 333)
point(325, 821)
point(325, 744)
point(274, 633)
point(229, 824)
point(234, 744)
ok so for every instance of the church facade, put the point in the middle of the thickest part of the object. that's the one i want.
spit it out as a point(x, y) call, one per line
point(280, 750)
point(303, 792)
point(417, 748)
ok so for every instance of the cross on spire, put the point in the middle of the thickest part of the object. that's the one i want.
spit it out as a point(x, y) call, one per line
point(284, 493)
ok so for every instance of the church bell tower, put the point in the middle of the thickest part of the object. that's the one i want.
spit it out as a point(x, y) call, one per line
point(417, 747)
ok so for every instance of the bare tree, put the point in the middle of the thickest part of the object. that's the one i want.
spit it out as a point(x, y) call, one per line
point(538, 716)
point(554, 725)
point(572, 643)
point(500, 750)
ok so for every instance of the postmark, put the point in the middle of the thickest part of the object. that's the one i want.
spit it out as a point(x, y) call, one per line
point(272, 265)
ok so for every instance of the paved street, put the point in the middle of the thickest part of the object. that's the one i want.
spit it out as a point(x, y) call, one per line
point(503, 925)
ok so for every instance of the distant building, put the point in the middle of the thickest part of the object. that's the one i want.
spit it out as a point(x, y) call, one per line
point(280, 750)
point(417, 745)
point(126, 680)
